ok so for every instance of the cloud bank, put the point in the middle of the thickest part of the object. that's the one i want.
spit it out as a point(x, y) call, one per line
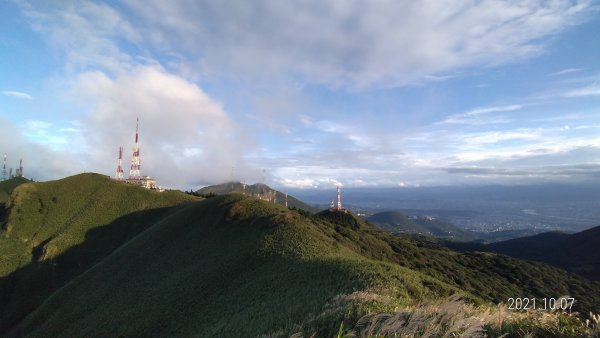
point(356, 44)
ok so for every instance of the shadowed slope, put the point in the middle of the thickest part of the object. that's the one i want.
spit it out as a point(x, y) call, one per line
point(7, 187)
point(47, 221)
point(234, 265)
point(574, 252)
point(221, 267)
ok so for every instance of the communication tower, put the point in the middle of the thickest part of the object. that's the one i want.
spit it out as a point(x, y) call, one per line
point(337, 206)
point(119, 175)
point(19, 172)
point(134, 173)
point(4, 169)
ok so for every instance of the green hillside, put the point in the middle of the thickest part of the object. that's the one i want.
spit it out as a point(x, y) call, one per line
point(47, 224)
point(7, 186)
point(256, 190)
point(233, 266)
point(577, 252)
point(398, 222)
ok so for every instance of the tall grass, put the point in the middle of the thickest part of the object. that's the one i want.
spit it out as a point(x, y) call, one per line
point(453, 317)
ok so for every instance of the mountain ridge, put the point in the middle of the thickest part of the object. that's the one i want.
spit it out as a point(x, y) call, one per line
point(233, 263)
point(576, 252)
point(259, 190)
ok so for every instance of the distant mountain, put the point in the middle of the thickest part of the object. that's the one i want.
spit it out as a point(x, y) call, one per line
point(259, 190)
point(89, 256)
point(579, 252)
point(398, 222)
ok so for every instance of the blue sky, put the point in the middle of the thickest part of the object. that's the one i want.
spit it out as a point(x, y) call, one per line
point(310, 94)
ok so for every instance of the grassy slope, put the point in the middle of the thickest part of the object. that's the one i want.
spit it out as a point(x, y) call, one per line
point(233, 265)
point(259, 188)
point(41, 247)
point(576, 252)
point(6, 187)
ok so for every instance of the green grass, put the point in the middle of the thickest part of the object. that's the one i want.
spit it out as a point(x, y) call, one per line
point(6, 187)
point(47, 223)
point(233, 265)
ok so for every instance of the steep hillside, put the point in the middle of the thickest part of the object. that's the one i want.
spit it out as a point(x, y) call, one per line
point(237, 266)
point(576, 252)
point(47, 224)
point(256, 190)
point(398, 222)
point(6, 187)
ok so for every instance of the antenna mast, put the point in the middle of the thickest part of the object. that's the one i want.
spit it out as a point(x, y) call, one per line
point(4, 169)
point(339, 199)
point(119, 175)
point(20, 170)
point(134, 173)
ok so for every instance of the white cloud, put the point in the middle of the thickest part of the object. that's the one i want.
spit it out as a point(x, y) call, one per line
point(36, 125)
point(87, 33)
point(473, 117)
point(70, 130)
point(186, 138)
point(565, 71)
point(18, 95)
point(591, 90)
point(41, 161)
point(499, 136)
point(354, 44)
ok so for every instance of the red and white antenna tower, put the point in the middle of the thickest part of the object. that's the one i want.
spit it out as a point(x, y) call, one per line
point(4, 169)
point(134, 173)
point(119, 175)
point(339, 199)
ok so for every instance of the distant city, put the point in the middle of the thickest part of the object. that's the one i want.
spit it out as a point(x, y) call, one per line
point(488, 209)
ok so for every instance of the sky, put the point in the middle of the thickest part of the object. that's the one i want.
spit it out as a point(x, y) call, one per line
point(304, 94)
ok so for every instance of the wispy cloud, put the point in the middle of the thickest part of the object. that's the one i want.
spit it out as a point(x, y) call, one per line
point(566, 71)
point(500, 136)
point(69, 130)
point(591, 90)
point(18, 95)
point(473, 117)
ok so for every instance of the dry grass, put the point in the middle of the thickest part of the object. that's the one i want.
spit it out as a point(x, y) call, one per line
point(450, 318)
point(453, 317)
